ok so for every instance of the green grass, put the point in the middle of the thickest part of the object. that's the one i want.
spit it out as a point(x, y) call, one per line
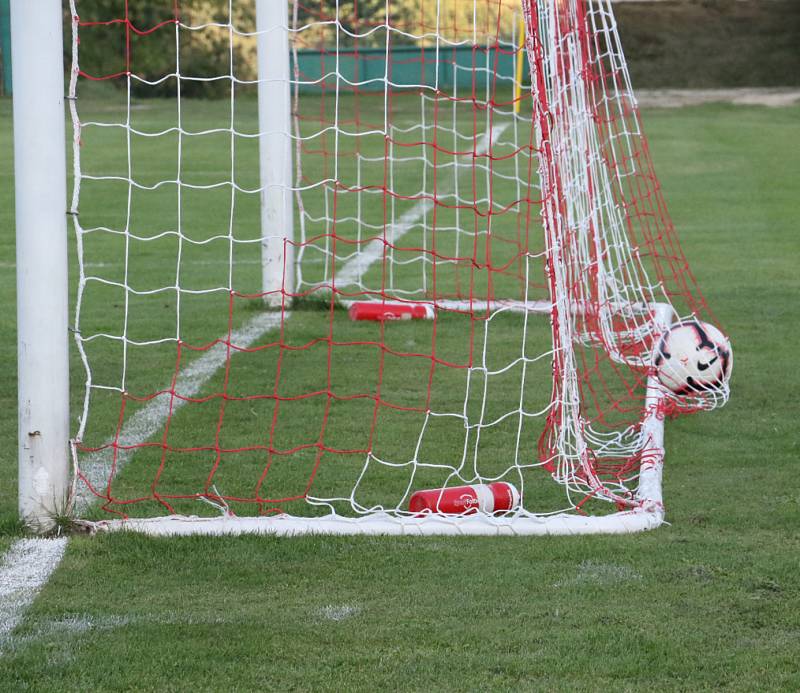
point(677, 609)
point(334, 377)
point(342, 417)
point(710, 602)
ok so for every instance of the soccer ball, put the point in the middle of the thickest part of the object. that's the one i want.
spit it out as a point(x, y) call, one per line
point(693, 357)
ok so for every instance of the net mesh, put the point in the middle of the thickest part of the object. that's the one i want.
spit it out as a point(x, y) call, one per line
point(484, 159)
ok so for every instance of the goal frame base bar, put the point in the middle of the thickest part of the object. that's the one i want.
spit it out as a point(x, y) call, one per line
point(383, 524)
point(647, 514)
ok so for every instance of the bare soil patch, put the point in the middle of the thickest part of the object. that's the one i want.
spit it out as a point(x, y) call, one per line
point(742, 96)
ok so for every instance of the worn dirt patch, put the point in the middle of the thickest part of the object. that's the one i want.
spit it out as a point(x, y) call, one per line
point(744, 96)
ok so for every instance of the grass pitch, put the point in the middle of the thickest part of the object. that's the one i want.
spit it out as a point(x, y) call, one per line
point(709, 602)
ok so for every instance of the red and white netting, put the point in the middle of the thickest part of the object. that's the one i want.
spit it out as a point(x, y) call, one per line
point(443, 155)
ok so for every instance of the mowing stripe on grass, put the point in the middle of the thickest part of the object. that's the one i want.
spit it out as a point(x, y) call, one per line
point(25, 569)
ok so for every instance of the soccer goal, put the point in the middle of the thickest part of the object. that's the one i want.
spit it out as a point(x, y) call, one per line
point(379, 267)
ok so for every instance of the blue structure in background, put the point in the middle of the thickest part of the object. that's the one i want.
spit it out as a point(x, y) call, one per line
point(5, 44)
point(463, 67)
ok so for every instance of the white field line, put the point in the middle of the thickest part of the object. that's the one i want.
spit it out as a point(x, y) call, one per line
point(598, 573)
point(58, 635)
point(25, 569)
point(146, 422)
point(184, 263)
point(355, 269)
point(334, 612)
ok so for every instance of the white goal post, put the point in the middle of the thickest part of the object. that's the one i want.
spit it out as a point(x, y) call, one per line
point(41, 232)
point(275, 123)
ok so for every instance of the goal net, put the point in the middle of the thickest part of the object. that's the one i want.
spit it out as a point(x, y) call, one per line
point(248, 180)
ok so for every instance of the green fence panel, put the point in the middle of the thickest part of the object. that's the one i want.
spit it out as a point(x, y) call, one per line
point(460, 69)
point(5, 44)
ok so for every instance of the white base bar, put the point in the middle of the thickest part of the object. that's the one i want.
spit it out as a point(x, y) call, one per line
point(663, 310)
point(649, 513)
point(543, 307)
point(627, 522)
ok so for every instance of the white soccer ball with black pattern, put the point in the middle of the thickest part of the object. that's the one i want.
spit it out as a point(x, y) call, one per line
point(693, 357)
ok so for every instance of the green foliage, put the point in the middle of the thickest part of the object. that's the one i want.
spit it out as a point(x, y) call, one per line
point(149, 45)
point(5, 48)
point(453, 19)
point(738, 44)
point(713, 43)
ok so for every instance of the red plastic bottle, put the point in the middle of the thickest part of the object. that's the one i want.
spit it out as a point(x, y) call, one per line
point(499, 496)
point(373, 310)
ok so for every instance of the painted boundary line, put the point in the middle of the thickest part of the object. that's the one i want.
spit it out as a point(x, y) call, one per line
point(353, 270)
point(24, 570)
